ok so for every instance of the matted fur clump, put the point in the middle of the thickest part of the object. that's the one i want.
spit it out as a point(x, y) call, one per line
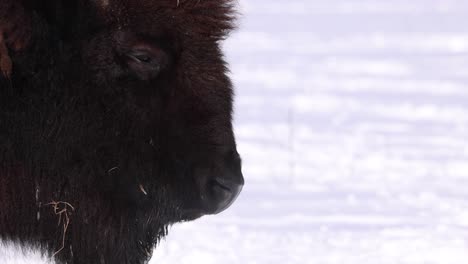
point(115, 122)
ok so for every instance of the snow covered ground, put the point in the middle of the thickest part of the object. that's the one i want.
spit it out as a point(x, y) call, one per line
point(352, 120)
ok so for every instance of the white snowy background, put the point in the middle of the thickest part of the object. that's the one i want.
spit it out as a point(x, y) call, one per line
point(352, 121)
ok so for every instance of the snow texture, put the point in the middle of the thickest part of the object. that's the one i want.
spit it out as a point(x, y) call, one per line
point(352, 121)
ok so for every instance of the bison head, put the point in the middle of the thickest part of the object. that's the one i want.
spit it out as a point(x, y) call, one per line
point(122, 109)
point(162, 102)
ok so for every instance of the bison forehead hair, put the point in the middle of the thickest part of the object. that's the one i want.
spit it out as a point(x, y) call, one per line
point(213, 19)
point(115, 123)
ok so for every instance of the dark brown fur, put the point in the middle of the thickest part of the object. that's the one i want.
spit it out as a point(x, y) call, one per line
point(94, 157)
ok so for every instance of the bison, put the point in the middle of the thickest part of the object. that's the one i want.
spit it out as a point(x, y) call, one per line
point(115, 123)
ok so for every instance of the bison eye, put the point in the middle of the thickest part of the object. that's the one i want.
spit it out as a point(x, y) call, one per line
point(143, 58)
point(146, 62)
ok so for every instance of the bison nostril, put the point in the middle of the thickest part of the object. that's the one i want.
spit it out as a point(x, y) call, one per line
point(217, 183)
point(221, 193)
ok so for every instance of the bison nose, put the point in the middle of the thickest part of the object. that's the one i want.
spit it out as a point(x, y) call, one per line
point(222, 190)
point(221, 194)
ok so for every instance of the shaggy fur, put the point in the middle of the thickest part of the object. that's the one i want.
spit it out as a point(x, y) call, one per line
point(95, 161)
